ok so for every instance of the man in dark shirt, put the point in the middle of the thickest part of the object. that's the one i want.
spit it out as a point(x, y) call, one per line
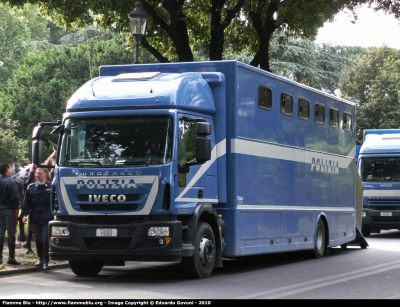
point(9, 201)
point(37, 206)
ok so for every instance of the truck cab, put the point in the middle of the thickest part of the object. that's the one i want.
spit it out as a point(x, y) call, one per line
point(379, 169)
point(124, 189)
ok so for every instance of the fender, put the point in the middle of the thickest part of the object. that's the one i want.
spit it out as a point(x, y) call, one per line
point(204, 212)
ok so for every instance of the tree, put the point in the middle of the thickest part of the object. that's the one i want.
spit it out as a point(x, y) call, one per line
point(176, 28)
point(13, 150)
point(39, 88)
point(374, 84)
point(302, 60)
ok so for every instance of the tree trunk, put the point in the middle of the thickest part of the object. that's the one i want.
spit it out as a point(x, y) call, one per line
point(264, 32)
point(178, 31)
point(154, 51)
point(215, 31)
point(261, 58)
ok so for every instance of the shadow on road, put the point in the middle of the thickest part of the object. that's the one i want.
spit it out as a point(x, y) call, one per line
point(387, 234)
point(170, 273)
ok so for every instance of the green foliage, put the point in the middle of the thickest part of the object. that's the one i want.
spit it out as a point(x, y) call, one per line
point(39, 88)
point(12, 150)
point(317, 65)
point(176, 28)
point(18, 26)
point(374, 84)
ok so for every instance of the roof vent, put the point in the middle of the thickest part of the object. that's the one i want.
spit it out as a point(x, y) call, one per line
point(136, 76)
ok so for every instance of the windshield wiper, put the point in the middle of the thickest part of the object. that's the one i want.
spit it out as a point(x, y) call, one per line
point(135, 163)
point(85, 162)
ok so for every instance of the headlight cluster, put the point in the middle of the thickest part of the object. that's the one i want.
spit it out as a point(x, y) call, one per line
point(158, 232)
point(59, 231)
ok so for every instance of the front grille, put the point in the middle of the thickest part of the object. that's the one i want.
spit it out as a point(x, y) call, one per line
point(377, 202)
point(385, 219)
point(129, 197)
point(384, 208)
point(111, 220)
point(114, 207)
point(107, 244)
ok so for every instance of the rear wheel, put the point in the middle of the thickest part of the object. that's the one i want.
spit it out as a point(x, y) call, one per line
point(366, 231)
point(201, 264)
point(320, 244)
point(86, 268)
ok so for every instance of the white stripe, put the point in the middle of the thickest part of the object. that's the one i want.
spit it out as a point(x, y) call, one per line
point(380, 193)
point(291, 208)
point(137, 179)
point(218, 151)
point(277, 151)
point(145, 211)
point(197, 200)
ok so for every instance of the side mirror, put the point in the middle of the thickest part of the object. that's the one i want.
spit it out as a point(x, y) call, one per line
point(37, 135)
point(203, 144)
point(203, 149)
point(37, 132)
point(183, 169)
point(203, 128)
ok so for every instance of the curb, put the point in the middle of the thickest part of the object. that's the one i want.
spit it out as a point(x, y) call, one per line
point(4, 272)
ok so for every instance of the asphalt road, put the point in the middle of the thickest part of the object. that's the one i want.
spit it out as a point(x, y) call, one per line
point(353, 273)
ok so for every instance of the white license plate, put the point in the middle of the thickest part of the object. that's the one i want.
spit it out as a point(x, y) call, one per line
point(106, 232)
point(386, 213)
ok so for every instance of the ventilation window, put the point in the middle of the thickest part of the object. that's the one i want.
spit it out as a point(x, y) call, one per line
point(304, 109)
point(286, 104)
point(334, 118)
point(347, 122)
point(319, 113)
point(264, 97)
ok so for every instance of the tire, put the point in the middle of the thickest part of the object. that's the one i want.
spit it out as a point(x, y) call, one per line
point(343, 246)
point(86, 268)
point(201, 264)
point(320, 244)
point(366, 231)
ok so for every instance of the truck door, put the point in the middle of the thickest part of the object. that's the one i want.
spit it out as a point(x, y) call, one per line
point(199, 184)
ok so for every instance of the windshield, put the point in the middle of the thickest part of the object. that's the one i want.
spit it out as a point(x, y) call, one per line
point(113, 142)
point(380, 169)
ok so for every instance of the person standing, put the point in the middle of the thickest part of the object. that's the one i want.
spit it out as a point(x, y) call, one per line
point(37, 205)
point(9, 202)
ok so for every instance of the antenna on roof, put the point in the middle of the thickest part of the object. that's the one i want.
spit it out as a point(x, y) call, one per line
point(90, 71)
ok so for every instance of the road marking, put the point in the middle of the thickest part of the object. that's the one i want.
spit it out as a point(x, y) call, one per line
point(322, 282)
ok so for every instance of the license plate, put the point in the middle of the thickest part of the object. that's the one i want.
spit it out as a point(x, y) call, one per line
point(386, 213)
point(106, 232)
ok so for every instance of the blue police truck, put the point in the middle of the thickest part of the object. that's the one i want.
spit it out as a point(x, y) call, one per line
point(196, 162)
point(379, 167)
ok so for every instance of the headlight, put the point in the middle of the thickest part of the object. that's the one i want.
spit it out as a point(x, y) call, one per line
point(59, 231)
point(158, 232)
point(364, 213)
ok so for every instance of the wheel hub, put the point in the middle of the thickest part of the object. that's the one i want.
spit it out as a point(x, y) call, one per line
point(207, 251)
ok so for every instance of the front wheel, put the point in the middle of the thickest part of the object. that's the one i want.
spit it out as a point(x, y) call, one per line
point(320, 244)
point(201, 264)
point(86, 268)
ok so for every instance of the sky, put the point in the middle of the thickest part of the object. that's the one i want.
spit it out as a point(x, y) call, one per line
point(372, 29)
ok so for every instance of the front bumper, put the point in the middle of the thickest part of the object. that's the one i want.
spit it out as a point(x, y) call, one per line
point(132, 242)
point(377, 219)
